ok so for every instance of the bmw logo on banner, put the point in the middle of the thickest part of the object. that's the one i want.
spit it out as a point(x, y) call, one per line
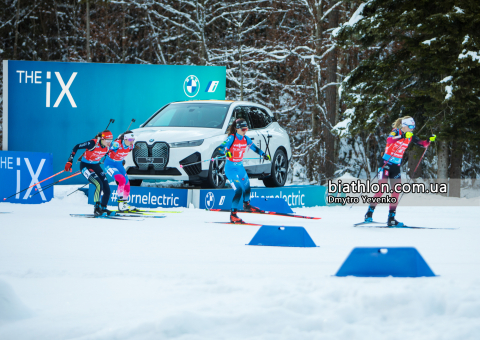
point(191, 86)
point(209, 200)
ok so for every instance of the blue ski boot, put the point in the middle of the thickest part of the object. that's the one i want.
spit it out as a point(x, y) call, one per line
point(369, 214)
point(106, 212)
point(392, 222)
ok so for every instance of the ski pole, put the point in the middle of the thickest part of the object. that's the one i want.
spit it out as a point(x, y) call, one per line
point(133, 121)
point(77, 189)
point(58, 173)
point(47, 186)
point(51, 185)
point(423, 154)
point(111, 121)
point(267, 150)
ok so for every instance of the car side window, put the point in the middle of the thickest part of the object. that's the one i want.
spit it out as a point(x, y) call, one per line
point(260, 118)
point(241, 112)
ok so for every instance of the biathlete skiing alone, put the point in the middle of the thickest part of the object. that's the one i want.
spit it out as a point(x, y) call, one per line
point(234, 148)
point(397, 142)
point(91, 169)
point(113, 163)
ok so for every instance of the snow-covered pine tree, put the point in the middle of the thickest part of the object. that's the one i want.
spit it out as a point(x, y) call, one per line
point(426, 61)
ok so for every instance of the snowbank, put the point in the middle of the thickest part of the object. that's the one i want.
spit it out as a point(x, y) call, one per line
point(11, 308)
point(184, 278)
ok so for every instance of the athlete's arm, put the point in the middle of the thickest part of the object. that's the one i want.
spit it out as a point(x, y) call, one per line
point(253, 146)
point(226, 145)
point(421, 143)
point(87, 145)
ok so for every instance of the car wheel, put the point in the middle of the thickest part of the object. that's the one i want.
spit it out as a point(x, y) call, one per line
point(136, 182)
point(216, 173)
point(278, 171)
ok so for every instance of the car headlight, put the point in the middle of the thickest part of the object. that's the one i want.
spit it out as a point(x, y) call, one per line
point(186, 144)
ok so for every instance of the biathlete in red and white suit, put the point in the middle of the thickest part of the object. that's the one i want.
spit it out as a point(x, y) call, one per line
point(91, 169)
point(234, 148)
point(397, 142)
point(113, 163)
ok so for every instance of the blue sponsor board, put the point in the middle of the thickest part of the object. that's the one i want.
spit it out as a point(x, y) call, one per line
point(64, 104)
point(20, 170)
point(296, 196)
point(145, 197)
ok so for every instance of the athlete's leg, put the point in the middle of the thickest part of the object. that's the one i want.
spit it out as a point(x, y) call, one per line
point(121, 185)
point(126, 189)
point(382, 179)
point(237, 186)
point(125, 182)
point(102, 177)
point(246, 186)
point(233, 174)
point(395, 179)
point(117, 172)
point(89, 173)
point(95, 175)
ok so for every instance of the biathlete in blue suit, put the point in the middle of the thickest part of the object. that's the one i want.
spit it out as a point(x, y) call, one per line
point(234, 148)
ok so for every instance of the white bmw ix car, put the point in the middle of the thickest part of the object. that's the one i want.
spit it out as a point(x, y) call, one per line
point(177, 142)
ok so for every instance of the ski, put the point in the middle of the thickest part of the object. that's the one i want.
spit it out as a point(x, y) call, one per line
point(362, 223)
point(258, 225)
point(5, 212)
point(141, 211)
point(139, 215)
point(106, 217)
point(269, 213)
point(384, 225)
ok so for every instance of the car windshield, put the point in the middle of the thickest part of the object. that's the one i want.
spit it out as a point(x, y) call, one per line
point(201, 115)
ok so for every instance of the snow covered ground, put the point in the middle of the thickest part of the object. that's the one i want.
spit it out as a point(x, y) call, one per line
point(182, 278)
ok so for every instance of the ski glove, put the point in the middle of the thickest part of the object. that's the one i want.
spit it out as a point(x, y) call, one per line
point(432, 138)
point(228, 154)
point(408, 135)
point(68, 166)
point(266, 157)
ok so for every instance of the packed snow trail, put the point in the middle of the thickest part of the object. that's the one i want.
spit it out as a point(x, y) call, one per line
point(181, 278)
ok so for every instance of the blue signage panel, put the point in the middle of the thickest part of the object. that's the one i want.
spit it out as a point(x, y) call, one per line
point(296, 196)
point(145, 197)
point(20, 170)
point(62, 104)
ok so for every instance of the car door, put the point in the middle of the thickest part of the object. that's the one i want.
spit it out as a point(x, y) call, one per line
point(251, 159)
point(267, 142)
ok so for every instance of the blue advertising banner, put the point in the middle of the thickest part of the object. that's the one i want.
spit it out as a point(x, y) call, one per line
point(145, 197)
point(296, 196)
point(20, 170)
point(63, 104)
